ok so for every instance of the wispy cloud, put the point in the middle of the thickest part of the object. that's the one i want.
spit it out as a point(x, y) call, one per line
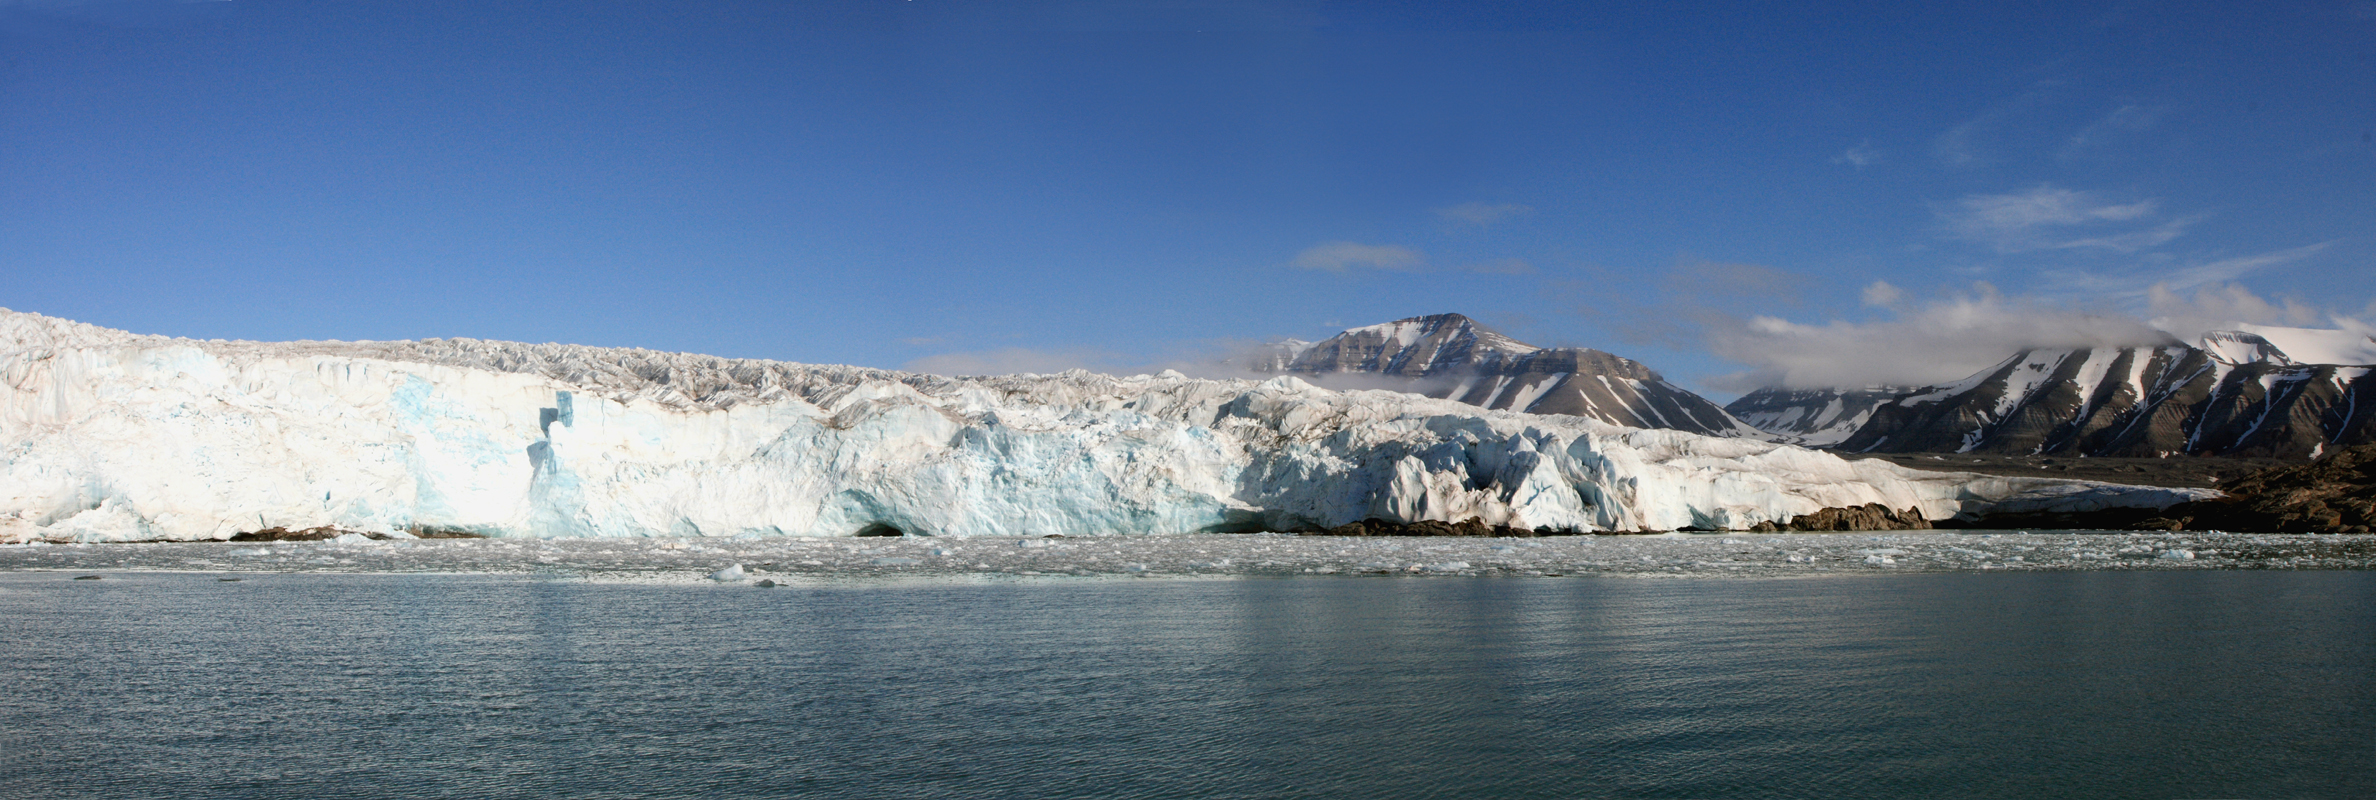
point(2050, 218)
point(1860, 156)
point(2113, 125)
point(1482, 214)
point(1348, 256)
point(2138, 283)
point(1966, 144)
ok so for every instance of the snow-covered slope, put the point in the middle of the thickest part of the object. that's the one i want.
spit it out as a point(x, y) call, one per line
point(2237, 394)
point(1453, 357)
point(1812, 417)
point(105, 435)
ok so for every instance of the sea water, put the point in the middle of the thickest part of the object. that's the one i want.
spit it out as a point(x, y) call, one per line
point(2045, 684)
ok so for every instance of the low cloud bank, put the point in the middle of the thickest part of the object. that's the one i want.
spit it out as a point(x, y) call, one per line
point(1946, 339)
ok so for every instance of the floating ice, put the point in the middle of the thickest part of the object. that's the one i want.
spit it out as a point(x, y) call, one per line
point(728, 575)
point(2178, 555)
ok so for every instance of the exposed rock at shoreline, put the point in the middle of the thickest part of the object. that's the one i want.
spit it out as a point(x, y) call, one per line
point(326, 532)
point(1867, 517)
point(315, 534)
point(1472, 526)
point(2335, 494)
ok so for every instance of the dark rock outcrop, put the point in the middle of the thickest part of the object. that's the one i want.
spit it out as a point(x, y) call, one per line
point(1867, 517)
point(421, 532)
point(1472, 526)
point(323, 532)
point(280, 534)
point(2335, 494)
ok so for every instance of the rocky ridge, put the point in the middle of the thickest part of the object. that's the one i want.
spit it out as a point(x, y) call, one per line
point(1812, 417)
point(2335, 494)
point(1453, 357)
point(2233, 393)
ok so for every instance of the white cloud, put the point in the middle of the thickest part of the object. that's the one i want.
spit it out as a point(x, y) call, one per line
point(2048, 218)
point(1860, 156)
point(1880, 294)
point(1482, 214)
point(1346, 256)
point(1934, 342)
point(2221, 306)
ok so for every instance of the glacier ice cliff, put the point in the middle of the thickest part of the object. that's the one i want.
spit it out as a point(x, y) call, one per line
point(111, 436)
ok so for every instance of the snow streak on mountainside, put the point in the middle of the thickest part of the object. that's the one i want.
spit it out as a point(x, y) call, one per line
point(2238, 394)
point(1812, 417)
point(1451, 356)
point(106, 435)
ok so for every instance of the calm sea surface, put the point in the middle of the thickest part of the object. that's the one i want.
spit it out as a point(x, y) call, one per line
point(2159, 685)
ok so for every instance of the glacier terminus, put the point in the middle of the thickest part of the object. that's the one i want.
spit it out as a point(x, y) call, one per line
point(107, 435)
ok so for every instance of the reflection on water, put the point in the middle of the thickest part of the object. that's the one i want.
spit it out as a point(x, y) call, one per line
point(2035, 685)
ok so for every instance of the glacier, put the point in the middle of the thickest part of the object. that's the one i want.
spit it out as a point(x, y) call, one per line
point(107, 435)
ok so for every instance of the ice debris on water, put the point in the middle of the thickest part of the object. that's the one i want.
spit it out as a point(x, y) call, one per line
point(1203, 556)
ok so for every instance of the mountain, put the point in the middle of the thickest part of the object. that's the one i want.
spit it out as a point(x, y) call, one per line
point(2234, 393)
point(1453, 357)
point(111, 436)
point(1812, 417)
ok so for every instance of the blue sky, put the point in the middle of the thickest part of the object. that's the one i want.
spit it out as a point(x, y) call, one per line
point(984, 185)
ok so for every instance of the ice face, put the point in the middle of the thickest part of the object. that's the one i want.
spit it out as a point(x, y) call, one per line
point(109, 436)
